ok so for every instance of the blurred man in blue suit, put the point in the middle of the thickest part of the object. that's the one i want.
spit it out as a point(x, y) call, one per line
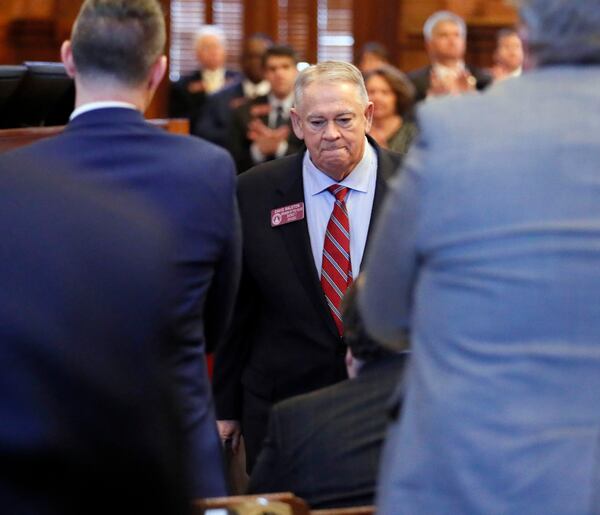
point(116, 58)
point(488, 252)
point(88, 419)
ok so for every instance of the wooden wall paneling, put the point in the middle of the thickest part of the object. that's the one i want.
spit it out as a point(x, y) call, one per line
point(261, 16)
point(377, 20)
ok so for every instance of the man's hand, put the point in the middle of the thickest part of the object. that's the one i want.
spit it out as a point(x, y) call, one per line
point(230, 430)
point(267, 140)
point(462, 83)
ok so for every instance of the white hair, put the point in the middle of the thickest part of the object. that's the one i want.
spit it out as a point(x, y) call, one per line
point(330, 72)
point(440, 16)
point(210, 30)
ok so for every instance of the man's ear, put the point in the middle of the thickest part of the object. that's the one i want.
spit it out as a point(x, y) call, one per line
point(296, 123)
point(369, 115)
point(157, 72)
point(66, 56)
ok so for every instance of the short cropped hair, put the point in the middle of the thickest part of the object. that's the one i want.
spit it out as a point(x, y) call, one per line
point(330, 72)
point(562, 31)
point(505, 33)
point(439, 17)
point(118, 39)
point(399, 83)
point(375, 48)
point(210, 30)
point(280, 51)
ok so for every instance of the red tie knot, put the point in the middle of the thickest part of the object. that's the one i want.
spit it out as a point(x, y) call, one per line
point(339, 192)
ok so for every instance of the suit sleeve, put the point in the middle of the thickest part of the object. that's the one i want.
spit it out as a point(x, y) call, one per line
point(202, 441)
point(231, 356)
point(224, 285)
point(385, 293)
point(268, 474)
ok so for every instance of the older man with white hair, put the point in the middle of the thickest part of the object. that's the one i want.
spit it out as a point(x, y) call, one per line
point(189, 94)
point(446, 40)
point(488, 255)
point(305, 222)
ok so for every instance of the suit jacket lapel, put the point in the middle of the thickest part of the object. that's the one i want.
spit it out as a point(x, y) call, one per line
point(297, 240)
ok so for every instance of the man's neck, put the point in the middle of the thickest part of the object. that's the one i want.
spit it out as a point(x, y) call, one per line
point(110, 92)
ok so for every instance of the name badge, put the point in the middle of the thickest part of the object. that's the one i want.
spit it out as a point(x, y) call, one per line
point(286, 214)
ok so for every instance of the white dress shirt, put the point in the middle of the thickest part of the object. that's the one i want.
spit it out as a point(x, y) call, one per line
point(252, 90)
point(92, 106)
point(318, 205)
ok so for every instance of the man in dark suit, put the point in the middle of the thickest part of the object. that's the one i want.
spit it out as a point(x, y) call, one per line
point(188, 180)
point(445, 38)
point(88, 419)
point(324, 446)
point(261, 129)
point(215, 122)
point(286, 337)
point(188, 95)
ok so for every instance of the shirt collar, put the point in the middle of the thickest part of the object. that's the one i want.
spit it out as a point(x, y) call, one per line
point(286, 103)
point(447, 71)
point(92, 106)
point(253, 90)
point(317, 181)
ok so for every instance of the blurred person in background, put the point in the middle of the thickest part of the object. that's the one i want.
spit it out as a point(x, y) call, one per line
point(509, 56)
point(189, 93)
point(446, 41)
point(372, 55)
point(214, 123)
point(393, 96)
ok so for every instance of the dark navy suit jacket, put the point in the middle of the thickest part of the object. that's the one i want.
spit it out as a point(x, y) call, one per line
point(87, 422)
point(191, 183)
point(218, 114)
point(184, 103)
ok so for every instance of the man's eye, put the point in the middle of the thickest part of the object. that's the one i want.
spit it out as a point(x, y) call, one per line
point(344, 122)
point(317, 124)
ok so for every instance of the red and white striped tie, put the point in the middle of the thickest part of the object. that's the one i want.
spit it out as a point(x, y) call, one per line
point(336, 269)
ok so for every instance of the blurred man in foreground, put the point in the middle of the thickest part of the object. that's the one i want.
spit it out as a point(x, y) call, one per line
point(115, 56)
point(88, 420)
point(488, 254)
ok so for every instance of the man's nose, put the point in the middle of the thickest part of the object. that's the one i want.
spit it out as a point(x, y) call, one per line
point(331, 130)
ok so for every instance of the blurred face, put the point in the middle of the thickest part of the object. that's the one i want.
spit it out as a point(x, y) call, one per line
point(210, 52)
point(252, 67)
point(333, 122)
point(382, 96)
point(369, 62)
point(280, 71)
point(510, 52)
point(446, 42)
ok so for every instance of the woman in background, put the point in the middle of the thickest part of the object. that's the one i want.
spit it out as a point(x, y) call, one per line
point(393, 95)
